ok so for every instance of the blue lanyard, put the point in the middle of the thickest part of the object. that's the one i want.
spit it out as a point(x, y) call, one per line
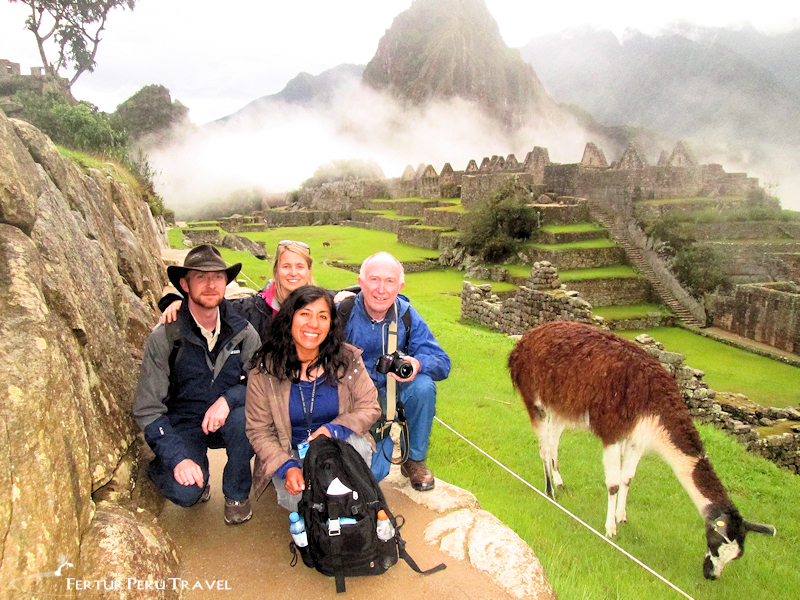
point(309, 413)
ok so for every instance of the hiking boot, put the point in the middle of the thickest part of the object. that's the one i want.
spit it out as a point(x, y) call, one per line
point(419, 474)
point(206, 494)
point(237, 511)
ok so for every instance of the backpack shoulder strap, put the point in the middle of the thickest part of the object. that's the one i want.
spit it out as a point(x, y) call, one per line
point(344, 309)
point(175, 341)
point(406, 319)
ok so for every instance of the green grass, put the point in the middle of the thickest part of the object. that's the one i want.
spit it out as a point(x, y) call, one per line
point(456, 208)
point(86, 161)
point(664, 529)
point(574, 228)
point(629, 311)
point(596, 243)
point(729, 369)
point(613, 272)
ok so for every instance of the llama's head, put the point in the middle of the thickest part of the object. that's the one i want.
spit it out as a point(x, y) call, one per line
point(725, 533)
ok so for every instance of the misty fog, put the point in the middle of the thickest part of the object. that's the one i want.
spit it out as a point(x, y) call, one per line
point(281, 145)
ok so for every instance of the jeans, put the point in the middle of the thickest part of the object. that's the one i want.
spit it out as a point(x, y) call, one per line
point(419, 400)
point(236, 477)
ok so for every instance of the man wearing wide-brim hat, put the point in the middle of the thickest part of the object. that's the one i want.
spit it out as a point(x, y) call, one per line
point(192, 386)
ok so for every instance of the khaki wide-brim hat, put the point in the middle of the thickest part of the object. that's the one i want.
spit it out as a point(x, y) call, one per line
point(201, 258)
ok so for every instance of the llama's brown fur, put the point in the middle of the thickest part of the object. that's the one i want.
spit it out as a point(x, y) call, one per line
point(571, 374)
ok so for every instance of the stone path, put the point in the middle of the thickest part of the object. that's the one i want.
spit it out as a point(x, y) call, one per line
point(252, 560)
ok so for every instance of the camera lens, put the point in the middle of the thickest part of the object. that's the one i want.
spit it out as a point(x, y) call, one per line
point(404, 369)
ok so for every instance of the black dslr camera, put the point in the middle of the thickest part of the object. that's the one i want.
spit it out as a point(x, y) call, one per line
point(393, 363)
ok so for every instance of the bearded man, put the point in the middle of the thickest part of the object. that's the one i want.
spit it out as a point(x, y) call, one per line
point(191, 390)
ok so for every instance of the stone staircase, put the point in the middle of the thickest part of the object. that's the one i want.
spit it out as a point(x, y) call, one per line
point(684, 308)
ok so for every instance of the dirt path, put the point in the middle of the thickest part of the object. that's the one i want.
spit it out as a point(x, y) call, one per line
point(251, 561)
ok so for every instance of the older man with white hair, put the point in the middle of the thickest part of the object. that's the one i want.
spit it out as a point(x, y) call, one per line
point(376, 307)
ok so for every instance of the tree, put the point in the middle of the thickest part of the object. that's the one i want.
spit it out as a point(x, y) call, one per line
point(74, 27)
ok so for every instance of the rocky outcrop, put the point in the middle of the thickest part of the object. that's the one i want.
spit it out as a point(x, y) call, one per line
point(243, 244)
point(79, 276)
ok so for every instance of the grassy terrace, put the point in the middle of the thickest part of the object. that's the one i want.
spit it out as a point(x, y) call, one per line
point(728, 369)
point(613, 272)
point(574, 228)
point(629, 311)
point(598, 243)
point(664, 529)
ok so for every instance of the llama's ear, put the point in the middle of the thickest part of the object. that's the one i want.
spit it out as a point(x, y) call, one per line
point(755, 527)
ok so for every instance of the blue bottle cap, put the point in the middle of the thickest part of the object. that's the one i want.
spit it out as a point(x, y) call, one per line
point(294, 517)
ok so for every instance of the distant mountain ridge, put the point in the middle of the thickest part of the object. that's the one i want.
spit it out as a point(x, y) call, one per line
point(306, 89)
point(714, 81)
point(440, 49)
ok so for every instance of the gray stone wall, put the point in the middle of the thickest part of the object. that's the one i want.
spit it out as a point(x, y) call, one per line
point(201, 236)
point(444, 218)
point(765, 313)
point(752, 230)
point(304, 218)
point(564, 214)
point(586, 258)
point(424, 237)
point(614, 291)
point(540, 301)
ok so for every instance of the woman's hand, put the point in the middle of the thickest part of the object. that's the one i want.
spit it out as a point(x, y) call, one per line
point(295, 483)
point(341, 295)
point(321, 431)
point(170, 313)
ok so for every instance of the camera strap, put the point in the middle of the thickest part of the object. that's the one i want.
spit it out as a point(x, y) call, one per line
point(391, 384)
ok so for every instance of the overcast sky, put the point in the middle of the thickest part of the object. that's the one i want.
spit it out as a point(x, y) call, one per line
point(216, 57)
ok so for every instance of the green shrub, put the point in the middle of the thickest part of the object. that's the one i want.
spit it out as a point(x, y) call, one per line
point(80, 126)
point(495, 231)
point(699, 269)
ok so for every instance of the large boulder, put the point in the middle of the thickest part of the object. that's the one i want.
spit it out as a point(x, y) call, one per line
point(243, 244)
point(79, 275)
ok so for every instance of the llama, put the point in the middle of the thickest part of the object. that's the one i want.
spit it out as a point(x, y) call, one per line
point(578, 376)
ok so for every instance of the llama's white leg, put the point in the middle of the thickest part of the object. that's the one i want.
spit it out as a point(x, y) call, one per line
point(612, 455)
point(548, 449)
point(631, 455)
point(542, 428)
point(557, 428)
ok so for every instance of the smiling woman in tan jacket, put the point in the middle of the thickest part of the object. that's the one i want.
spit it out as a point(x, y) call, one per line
point(306, 382)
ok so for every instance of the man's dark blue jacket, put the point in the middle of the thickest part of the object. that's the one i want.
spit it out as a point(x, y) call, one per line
point(199, 377)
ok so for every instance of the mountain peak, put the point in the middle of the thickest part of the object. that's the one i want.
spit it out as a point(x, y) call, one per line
point(440, 49)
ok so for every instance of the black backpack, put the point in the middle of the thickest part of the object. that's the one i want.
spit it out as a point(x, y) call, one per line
point(350, 549)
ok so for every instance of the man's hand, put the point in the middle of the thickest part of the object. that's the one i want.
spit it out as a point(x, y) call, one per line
point(294, 481)
point(170, 313)
point(188, 472)
point(414, 363)
point(216, 415)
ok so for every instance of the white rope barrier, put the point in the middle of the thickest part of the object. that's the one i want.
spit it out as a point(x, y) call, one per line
point(557, 505)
